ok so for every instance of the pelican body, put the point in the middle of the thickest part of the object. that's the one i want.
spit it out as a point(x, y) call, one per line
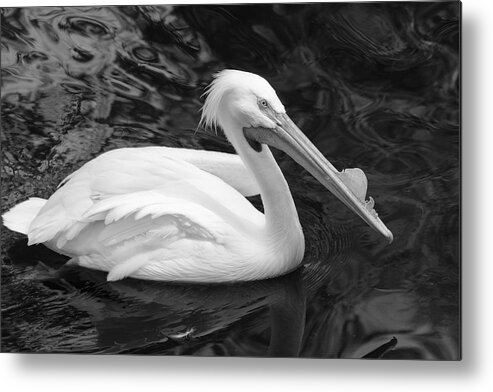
point(176, 214)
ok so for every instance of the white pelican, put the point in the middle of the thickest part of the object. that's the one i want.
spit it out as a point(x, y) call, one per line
point(177, 214)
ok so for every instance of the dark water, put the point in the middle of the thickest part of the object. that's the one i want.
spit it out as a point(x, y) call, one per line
point(374, 86)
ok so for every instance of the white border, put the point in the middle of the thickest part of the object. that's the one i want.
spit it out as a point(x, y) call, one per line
point(474, 373)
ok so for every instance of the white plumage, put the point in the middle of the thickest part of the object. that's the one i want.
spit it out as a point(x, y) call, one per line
point(181, 215)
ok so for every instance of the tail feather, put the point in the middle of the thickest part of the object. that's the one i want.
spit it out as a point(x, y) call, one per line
point(19, 218)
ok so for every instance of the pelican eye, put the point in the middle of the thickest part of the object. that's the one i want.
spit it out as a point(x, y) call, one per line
point(263, 103)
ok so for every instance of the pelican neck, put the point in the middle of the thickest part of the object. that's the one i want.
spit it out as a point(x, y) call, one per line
point(279, 208)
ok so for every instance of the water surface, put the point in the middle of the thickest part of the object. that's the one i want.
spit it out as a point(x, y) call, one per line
point(374, 86)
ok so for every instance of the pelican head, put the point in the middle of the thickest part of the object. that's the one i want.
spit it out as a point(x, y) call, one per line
point(241, 97)
point(247, 108)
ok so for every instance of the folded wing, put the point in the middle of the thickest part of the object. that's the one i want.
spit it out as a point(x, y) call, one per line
point(149, 182)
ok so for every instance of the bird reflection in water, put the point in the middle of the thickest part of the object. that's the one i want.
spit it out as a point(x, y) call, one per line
point(133, 316)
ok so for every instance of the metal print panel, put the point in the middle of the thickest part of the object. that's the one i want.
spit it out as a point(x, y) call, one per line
point(259, 180)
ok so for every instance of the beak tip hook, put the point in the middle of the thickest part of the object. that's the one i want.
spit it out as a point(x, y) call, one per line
point(390, 237)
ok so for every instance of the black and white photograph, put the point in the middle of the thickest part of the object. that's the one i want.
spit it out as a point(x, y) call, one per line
point(275, 180)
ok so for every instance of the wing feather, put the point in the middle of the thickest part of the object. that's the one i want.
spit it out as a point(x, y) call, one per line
point(125, 229)
point(145, 183)
point(228, 167)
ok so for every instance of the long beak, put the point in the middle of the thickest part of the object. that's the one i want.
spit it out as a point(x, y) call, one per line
point(349, 186)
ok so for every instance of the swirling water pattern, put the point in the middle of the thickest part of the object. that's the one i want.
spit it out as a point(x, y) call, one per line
point(374, 86)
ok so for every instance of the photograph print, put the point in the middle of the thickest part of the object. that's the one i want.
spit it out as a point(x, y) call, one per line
point(261, 180)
